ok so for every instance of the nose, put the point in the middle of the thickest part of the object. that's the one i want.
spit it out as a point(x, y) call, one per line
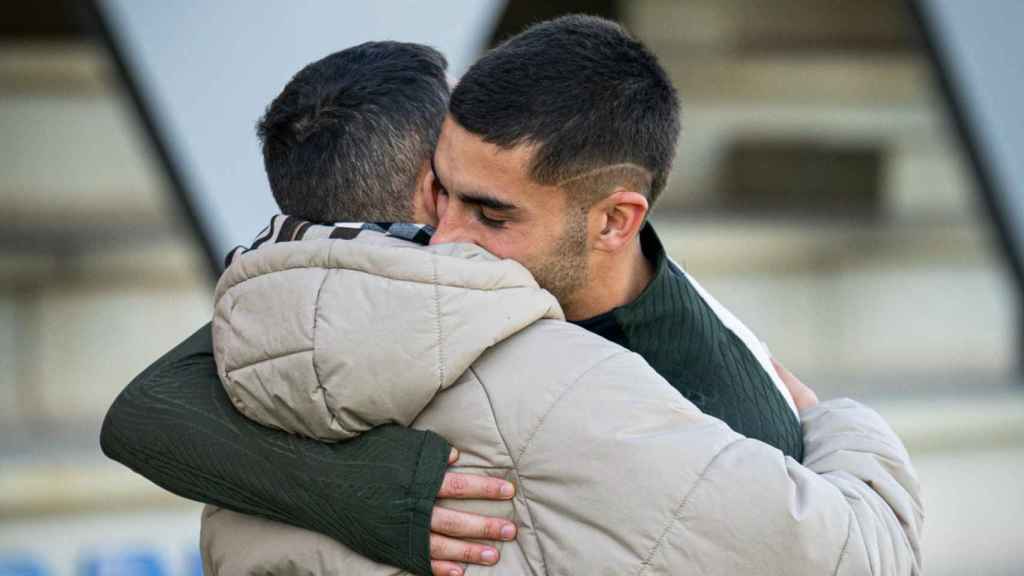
point(447, 234)
point(451, 229)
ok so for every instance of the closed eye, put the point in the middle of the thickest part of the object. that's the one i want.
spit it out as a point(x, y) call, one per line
point(488, 221)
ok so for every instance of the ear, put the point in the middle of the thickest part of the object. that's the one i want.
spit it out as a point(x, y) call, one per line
point(424, 197)
point(619, 218)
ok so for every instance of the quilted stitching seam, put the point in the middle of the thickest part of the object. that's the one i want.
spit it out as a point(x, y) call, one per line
point(316, 370)
point(678, 513)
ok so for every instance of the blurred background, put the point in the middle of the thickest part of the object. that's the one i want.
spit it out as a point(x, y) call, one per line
point(834, 187)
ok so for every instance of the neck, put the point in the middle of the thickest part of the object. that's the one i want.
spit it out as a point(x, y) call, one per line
point(616, 280)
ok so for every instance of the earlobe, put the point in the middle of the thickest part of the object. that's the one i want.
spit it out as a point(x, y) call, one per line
point(430, 196)
point(424, 199)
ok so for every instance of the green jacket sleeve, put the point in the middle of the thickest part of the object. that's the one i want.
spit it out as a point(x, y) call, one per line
point(175, 425)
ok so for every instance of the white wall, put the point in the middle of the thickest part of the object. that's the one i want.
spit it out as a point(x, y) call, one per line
point(209, 69)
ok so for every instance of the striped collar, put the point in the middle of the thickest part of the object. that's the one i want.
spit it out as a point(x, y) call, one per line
point(290, 229)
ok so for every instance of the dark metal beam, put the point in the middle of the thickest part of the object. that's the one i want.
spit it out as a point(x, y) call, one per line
point(97, 19)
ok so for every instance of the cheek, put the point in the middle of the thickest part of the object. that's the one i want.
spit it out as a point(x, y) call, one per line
point(509, 245)
point(494, 244)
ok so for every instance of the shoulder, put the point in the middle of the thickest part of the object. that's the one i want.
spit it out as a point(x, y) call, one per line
point(552, 338)
point(556, 369)
point(552, 354)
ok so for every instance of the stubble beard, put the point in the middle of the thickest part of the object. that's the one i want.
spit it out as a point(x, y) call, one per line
point(563, 270)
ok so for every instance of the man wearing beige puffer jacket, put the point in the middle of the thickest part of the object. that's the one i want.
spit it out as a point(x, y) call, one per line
point(616, 472)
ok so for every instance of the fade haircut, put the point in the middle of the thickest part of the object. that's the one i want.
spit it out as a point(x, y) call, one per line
point(593, 103)
point(346, 138)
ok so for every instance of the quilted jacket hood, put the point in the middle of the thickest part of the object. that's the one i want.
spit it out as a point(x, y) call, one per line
point(328, 338)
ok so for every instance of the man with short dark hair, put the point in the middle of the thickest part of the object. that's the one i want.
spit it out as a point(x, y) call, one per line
point(540, 201)
point(352, 134)
point(560, 177)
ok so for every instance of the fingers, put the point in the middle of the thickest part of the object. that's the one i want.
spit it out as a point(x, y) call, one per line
point(446, 550)
point(445, 568)
point(453, 456)
point(473, 487)
point(443, 548)
point(464, 525)
point(803, 396)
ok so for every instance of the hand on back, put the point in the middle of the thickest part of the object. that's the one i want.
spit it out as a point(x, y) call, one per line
point(449, 529)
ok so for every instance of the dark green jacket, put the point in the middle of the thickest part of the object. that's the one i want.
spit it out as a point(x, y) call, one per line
point(175, 425)
point(682, 338)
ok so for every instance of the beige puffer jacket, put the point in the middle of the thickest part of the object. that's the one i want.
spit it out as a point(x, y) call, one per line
point(616, 472)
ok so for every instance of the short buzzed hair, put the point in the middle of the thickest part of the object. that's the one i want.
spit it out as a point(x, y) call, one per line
point(593, 102)
point(346, 138)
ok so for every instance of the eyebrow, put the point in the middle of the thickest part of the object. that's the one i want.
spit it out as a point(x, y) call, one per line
point(477, 198)
point(486, 201)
